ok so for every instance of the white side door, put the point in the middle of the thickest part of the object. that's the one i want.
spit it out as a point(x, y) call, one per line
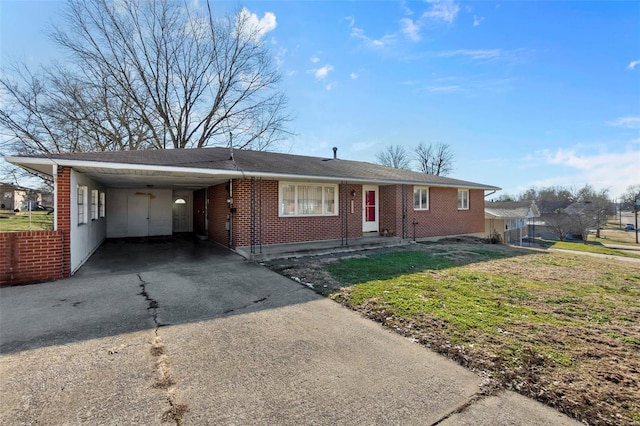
point(138, 215)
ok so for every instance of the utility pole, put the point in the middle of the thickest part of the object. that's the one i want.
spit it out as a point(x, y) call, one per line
point(619, 210)
point(636, 205)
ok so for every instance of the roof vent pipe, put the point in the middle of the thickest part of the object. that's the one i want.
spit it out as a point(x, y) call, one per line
point(335, 152)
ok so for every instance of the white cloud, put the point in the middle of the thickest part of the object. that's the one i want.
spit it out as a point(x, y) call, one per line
point(627, 122)
point(477, 20)
point(468, 85)
point(354, 76)
point(615, 171)
point(438, 11)
point(449, 88)
point(351, 20)
point(257, 27)
point(632, 65)
point(314, 59)
point(479, 54)
point(372, 42)
point(442, 10)
point(407, 11)
point(329, 86)
point(322, 72)
point(410, 29)
point(280, 55)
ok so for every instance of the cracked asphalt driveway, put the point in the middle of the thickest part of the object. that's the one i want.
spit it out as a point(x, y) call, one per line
point(181, 332)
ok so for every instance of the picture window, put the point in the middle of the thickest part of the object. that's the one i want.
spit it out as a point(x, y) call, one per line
point(308, 199)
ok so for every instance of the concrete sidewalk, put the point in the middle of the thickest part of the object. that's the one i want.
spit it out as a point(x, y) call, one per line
point(219, 340)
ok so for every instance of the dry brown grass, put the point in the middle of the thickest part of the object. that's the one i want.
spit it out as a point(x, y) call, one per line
point(559, 327)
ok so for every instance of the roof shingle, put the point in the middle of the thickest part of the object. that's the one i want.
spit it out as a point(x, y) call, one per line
point(255, 162)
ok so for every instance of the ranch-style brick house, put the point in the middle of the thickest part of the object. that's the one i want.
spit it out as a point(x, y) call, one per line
point(238, 198)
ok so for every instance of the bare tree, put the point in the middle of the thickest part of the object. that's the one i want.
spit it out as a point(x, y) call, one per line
point(549, 199)
point(590, 211)
point(395, 156)
point(435, 159)
point(148, 74)
point(560, 224)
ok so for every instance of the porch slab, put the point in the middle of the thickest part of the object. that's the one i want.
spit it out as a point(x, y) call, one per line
point(278, 251)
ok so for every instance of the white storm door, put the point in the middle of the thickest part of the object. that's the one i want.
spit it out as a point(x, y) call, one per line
point(138, 215)
point(370, 209)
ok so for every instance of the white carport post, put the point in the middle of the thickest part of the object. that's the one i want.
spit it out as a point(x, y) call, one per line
point(520, 228)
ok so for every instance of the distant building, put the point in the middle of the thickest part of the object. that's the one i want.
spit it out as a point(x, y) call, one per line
point(510, 219)
point(14, 197)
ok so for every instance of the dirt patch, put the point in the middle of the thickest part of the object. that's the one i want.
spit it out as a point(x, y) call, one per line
point(577, 353)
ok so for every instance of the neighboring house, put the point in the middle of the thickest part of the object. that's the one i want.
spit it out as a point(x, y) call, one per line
point(14, 197)
point(511, 220)
point(244, 199)
point(549, 225)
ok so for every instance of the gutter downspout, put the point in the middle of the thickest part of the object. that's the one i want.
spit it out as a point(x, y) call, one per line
point(231, 213)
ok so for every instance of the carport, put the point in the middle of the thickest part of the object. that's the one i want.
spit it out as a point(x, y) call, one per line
point(96, 200)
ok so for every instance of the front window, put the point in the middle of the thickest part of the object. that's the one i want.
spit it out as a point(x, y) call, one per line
point(420, 198)
point(94, 204)
point(82, 205)
point(102, 204)
point(463, 199)
point(308, 199)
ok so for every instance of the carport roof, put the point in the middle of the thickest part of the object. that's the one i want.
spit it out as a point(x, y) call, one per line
point(511, 210)
point(217, 164)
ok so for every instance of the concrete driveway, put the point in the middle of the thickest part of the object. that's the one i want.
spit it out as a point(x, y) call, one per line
point(190, 333)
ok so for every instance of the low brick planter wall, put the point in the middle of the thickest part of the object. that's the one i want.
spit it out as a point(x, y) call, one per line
point(31, 256)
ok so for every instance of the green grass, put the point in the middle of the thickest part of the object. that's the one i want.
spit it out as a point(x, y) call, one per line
point(548, 322)
point(591, 248)
point(466, 300)
point(13, 222)
point(385, 266)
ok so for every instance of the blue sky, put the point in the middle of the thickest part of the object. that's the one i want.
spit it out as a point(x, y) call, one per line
point(526, 93)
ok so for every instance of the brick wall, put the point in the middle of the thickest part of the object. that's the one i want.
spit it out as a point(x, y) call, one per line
point(391, 209)
point(442, 218)
point(217, 212)
point(31, 256)
point(272, 229)
point(64, 216)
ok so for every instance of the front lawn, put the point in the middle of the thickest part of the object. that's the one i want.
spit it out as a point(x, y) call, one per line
point(591, 248)
point(12, 222)
point(561, 328)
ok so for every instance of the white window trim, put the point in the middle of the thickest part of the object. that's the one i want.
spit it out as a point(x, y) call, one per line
point(467, 199)
point(420, 188)
point(94, 204)
point(82, 204)
point(296, 185)
point(101, 202)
